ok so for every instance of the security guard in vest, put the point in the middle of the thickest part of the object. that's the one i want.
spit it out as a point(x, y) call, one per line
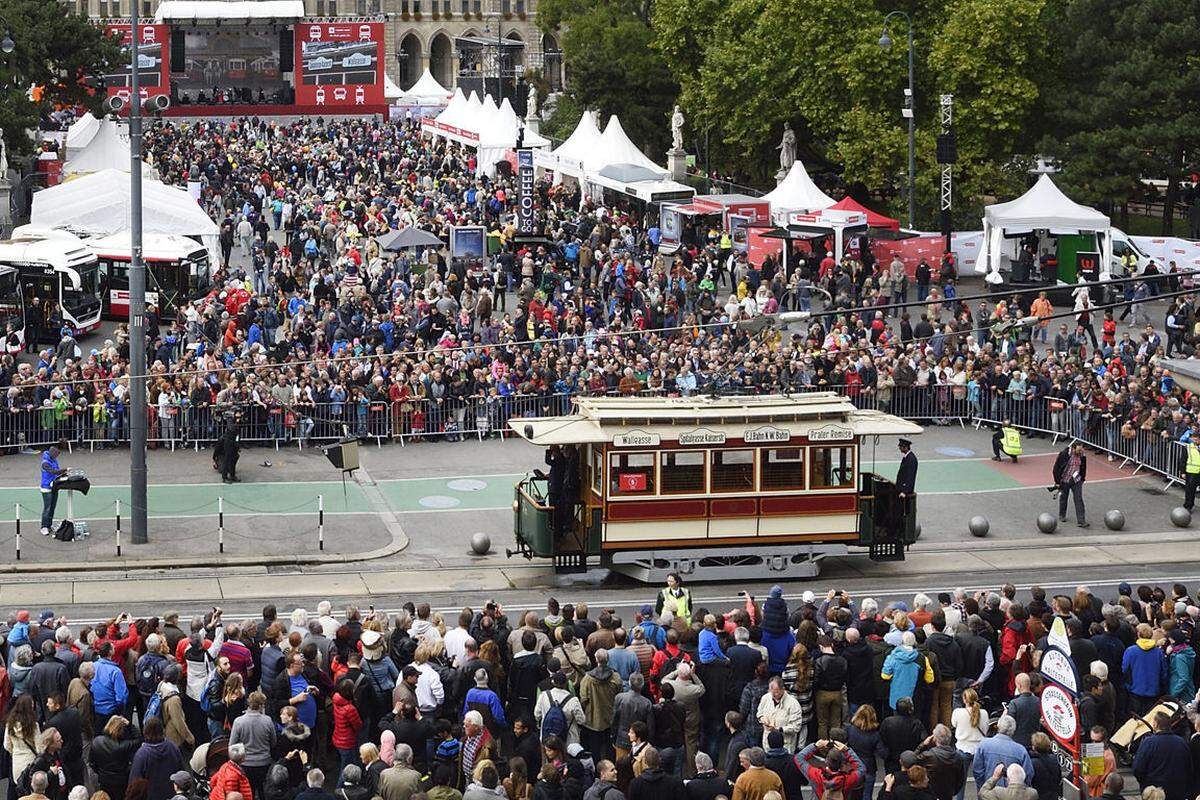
point(1007, 440)
point(1191, 469)
point(679, 595)
point(726, 245)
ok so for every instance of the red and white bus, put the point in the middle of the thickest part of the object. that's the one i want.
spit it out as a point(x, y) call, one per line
point(177, 270)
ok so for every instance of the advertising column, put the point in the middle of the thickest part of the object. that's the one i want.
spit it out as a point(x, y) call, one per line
point(339, 64)
point(526, 221)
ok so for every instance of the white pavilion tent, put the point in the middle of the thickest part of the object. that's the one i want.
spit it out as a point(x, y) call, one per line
point(426, 92)
point(796, 193)
point(82, 131)
point(109, 148)
point(1043, 207)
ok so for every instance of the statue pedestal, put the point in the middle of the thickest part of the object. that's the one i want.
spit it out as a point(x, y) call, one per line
point(6, 220)
point(533, 124)
point(677, 163)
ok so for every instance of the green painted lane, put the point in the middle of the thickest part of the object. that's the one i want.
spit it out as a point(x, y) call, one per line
point(951, 476)
point(450, 494)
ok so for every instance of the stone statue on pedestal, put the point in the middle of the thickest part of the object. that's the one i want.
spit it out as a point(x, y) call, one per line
point(677, 129)
point(787, 149)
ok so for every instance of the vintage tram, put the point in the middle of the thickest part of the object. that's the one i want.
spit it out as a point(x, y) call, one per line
point(717, 487)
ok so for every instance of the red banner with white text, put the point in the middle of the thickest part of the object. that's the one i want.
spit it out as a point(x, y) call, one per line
point(154, 67)
point(339, 64)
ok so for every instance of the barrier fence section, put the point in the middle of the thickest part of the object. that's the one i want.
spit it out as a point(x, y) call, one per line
point(455, 419)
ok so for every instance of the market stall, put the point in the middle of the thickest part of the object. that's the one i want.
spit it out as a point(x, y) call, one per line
point(796, 193)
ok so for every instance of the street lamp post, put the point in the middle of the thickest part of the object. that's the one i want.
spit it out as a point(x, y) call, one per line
point(137, 300)
point(7, 45)
point(885, 41)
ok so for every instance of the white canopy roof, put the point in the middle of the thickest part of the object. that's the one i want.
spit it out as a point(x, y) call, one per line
point(797, 192)
point(1045, 206)
point(583, 140)
point(615, 147)
point(98, 205)
point(81, 132)
point(108, 149)
point(426, 91)
point(227, 10)
point(390, 90)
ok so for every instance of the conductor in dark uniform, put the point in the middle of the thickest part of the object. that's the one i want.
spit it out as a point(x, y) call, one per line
point(906, 485)
point(556, 459)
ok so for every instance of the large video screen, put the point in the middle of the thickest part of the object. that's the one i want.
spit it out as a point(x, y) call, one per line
point(231, 59)
point(339, 63)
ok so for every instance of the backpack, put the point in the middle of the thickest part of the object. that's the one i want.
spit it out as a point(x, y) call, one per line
point(206, 695)
point(554, 723)
point(153, 708)
point(149, 673)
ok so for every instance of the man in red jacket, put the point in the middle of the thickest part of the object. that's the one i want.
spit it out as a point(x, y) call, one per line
point(231, 777)
point(839, 771)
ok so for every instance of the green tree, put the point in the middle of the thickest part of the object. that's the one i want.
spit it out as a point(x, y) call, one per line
point(612, 66)
point(1127, 105)
point(55, 50)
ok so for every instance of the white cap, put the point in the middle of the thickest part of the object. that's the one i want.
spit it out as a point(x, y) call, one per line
point(808, 597)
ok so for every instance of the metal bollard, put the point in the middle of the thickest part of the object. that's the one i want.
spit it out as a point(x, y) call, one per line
point(18, 507)
point(321, 521)
point(118, 528)
point(221, 523)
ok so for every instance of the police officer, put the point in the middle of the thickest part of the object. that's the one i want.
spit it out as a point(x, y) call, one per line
point(1192, 469)
point(1007, 440)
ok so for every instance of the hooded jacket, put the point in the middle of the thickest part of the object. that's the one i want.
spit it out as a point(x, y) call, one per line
point(174, 722)
point(1181, 667)
point(824, 779)
point(775, 613)
point(903, 667)
point(1145, 668)
point(597, 692)
point(157, 762)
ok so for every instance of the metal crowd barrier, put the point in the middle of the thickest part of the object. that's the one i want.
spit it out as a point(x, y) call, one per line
point(456, 419)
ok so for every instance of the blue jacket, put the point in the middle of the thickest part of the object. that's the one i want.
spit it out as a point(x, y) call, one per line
point(1163, 760)
point(623, 662)
point(484, 697)
point(710, 647)
point(109, 691)
point(999, 749)
point(902, 669)
point(1145, 668)
point(654, 633)
point(779, 648)
point(1181, 667)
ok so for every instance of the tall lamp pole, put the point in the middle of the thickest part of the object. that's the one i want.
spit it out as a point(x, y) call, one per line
point(885, 41)
point(137, 300)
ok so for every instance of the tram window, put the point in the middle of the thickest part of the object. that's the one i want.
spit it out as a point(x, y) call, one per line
point(630, 473)
point(782, 468)
point(597, 471)
point(832, 468)
point(682, 472)
point(733, 471)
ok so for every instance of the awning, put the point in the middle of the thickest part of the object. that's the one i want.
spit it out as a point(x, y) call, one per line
point(186, 10)
point(694, 210)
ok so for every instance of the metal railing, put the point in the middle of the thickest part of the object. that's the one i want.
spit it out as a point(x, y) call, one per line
point(477, 417)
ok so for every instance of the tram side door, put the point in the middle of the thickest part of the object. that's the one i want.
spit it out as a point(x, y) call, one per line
point(40, 286)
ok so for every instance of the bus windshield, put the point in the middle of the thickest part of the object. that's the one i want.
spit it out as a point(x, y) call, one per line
point(11, 306)
point(88, 287)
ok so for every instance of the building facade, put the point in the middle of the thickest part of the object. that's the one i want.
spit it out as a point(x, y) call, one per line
point(420, 33)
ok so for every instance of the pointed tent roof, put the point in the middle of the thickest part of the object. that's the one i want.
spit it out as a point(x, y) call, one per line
point(583, 140)
point(82, 131)
point(108, 149)
point(390, 90)
point(454, 109)
point(1045, 206)
point(615, 147)
point(427, 90)
point(797, 192)
point(874, 219)
point(501, 125)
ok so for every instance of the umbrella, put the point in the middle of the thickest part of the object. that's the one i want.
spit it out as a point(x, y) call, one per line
point(409, 237)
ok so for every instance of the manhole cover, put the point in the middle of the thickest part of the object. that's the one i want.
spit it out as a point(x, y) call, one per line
point(439, 501)
point(954, 452)
point(466, 485)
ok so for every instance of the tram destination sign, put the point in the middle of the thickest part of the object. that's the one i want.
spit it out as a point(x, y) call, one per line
point(701, 436)
point(831, 433)
point(766, 433)
point(637, 439)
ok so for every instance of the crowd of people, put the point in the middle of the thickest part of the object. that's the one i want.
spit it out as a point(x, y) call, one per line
point(310, 327)
point(673, 702)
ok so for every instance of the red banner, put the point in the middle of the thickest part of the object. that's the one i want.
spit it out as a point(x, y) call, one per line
point(631, 482)
point(154, 65)
point(339, 64)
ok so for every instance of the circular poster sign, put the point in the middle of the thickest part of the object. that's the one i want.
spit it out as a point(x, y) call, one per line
point(1058, 667)
point(1059, 714)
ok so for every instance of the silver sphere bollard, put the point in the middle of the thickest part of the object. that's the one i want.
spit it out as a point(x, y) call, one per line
point(1181, 517)
point(1114, 520)
point(979, 526)
point(481, 544)
point(1047, 522)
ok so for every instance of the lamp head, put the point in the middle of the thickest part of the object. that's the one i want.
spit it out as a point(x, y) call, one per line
point(7, 45)
point(885, 40)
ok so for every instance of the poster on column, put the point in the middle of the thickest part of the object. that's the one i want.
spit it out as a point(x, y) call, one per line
point(154, 68)
point(339, 64)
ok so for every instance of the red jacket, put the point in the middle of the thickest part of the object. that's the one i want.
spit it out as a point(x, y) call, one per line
point(229, 778)
point(1015, 634)
point(346, 723)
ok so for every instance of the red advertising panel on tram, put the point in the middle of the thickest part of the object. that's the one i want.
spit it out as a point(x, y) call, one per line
point(154, 66)
point(339, 64)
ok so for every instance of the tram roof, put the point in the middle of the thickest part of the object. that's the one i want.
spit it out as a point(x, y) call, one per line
point(600, 419)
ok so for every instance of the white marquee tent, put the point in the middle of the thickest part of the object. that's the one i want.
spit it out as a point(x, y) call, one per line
point(796, 193)
point(108, 149)
point(82, 131)
point(98, 205)
point(426, 92)
point(493, 130)
point(568, 157)
point(1042, 207)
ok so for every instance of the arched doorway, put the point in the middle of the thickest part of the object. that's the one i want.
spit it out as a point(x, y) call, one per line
point(514, 58)
point(409, 58)
point(441, 60)
point(552, 62)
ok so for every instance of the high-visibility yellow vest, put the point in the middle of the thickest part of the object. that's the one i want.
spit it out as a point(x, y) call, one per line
point(726, 242)
point(1012, 441)
point(1193, 461)
point(683, 603)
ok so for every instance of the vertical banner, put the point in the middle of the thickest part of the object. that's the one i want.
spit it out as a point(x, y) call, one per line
point(739, 232)
point(670, 226)
point(154, 66)
point(526, 224)
point(339, 64)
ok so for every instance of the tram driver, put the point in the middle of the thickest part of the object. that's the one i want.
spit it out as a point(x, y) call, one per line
point(563, 489)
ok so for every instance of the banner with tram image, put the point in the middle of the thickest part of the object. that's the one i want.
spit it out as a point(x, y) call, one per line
point(154, 66)
point(339, 64)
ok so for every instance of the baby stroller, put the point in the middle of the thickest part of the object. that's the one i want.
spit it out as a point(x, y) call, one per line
point(1125, 741)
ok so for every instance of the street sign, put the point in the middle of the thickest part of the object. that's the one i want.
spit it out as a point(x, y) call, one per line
point(1058, 667)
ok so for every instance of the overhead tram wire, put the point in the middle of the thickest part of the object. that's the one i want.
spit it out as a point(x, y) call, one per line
point(993, 296)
